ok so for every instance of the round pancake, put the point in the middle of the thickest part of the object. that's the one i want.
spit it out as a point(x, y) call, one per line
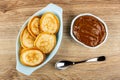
point(32, 57)
point(26, 40)
point(49, 23)
point(33, 26)
point(45, 42)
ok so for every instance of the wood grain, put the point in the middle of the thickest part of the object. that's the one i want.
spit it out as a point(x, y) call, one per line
point(13, 13)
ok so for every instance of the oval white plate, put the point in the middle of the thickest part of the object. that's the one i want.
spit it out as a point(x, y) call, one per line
point(71, 30)
point(49, 8)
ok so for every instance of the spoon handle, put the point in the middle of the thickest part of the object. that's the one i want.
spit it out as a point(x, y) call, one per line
point(89, 60)
point(100, 58)
point(79, 62)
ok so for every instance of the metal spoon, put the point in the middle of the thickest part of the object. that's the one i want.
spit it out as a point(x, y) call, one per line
point(65, 64)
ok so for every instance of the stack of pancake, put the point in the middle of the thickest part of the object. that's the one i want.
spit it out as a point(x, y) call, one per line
point(38, 39)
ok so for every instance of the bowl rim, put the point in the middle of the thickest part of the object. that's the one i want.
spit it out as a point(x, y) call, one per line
point(89, 14)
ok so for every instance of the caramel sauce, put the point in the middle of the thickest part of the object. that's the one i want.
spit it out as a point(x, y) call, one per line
point(89, 30)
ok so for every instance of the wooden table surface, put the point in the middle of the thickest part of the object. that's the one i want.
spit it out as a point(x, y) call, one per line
point(13, 13)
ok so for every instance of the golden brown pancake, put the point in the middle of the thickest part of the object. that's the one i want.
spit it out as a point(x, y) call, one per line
point(45, 42)
point(31, 57)
point(33, 26)
point(26, 39)
point(49, 23)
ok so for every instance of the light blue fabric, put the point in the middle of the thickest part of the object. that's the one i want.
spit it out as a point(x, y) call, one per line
point(49, 8)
